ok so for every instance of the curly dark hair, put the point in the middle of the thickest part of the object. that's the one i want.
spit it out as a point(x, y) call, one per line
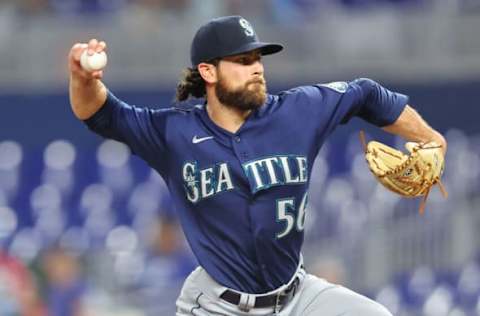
point(192, 83)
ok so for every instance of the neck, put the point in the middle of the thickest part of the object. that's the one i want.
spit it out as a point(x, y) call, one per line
point(228, 118)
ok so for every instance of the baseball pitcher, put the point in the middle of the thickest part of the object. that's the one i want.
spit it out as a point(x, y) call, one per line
point(238, 167)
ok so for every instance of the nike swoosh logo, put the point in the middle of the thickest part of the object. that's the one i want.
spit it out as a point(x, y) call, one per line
point(197, 140)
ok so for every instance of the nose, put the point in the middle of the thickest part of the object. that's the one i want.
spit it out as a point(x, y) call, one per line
point(258, 68)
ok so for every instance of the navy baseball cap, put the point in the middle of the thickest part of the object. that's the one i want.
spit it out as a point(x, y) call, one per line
point(227, 36)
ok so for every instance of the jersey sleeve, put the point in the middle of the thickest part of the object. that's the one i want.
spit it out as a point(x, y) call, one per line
point(328, 105)
point(141, 129)
point(374, 103)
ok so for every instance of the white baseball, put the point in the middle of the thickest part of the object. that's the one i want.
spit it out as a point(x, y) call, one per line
point(94, 62)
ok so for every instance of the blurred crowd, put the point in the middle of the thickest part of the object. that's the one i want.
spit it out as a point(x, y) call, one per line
point(275, 9)
point(61, 281)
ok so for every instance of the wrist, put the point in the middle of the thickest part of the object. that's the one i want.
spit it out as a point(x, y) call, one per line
point(441, 141)
point(78, 79)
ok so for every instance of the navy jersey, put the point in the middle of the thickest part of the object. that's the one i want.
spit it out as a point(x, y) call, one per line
point(241, 197)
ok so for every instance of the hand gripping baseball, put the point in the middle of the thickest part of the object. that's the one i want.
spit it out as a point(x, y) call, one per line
point(88, 60)
point(94, 62)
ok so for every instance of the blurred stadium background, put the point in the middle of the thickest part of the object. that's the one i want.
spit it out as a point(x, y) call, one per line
point(88, 229)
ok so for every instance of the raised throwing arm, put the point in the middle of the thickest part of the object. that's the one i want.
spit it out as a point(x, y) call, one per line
point(87, 92)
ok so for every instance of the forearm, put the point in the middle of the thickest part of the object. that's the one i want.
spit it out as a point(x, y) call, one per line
point(412, 127)
point(86, 96)
point(87, 92)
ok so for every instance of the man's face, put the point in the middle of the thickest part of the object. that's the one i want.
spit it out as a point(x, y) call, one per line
point(241, 84)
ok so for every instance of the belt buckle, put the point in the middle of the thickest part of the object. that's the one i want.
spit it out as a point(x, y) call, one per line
point(288, 292)
point(277, 306)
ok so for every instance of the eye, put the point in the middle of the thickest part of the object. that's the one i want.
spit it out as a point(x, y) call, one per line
point(244, 61)
point(247, 59)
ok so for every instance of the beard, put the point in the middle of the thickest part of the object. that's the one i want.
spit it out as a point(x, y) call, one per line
point(249, 97)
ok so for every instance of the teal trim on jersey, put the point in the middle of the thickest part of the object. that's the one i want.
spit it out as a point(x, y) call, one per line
point(285, 214)
point(221, 189)
point(264, 176)
point(301, 213)
point(290, 212)
point(191, 183)
point(214, 183)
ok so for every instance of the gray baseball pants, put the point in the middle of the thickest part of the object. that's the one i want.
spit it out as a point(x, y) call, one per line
point(200, 296)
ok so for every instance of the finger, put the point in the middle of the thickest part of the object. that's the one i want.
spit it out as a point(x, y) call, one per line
point(92, 44)
point(77, 50)
point(78, 46)
point(102, 46)
point(74, 56)
point(97, 74)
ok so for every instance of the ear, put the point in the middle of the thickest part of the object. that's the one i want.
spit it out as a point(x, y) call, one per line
point(208, 72)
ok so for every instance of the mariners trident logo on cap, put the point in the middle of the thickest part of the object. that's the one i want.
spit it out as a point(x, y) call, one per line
point(227, 36)
point(247, 26)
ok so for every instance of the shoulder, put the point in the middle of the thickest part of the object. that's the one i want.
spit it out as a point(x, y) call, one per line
point(335, 89)
point(177, 111)
point(344, 87)
point(324, 95)
point(336, 86)
point(187, 108)
point(172, 110)
point(318, 92)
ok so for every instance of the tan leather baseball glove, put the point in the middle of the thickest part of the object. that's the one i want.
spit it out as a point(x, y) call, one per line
point(410, 175)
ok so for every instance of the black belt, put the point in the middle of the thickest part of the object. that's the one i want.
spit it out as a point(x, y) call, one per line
point(263, 301)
